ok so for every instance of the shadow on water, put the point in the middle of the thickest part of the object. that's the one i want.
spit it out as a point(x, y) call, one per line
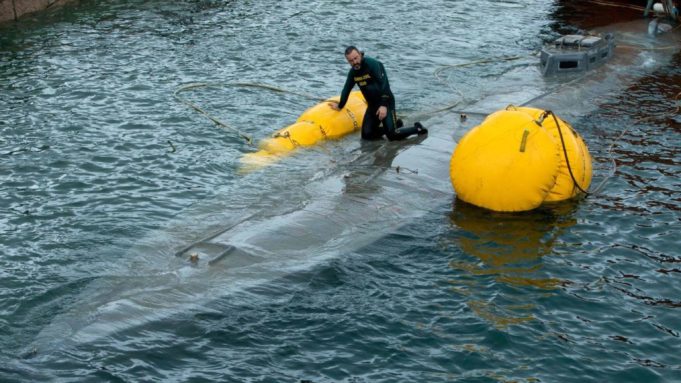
point(644, 141)
point(506, 251)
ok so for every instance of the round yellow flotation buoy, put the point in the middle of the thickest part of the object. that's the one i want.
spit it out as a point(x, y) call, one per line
point(316, 124)
point(519, 158)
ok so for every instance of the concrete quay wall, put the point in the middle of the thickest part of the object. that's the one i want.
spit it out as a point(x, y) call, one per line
point(13, 9)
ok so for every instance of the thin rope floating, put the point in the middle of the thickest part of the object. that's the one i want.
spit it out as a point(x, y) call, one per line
point(246, 137)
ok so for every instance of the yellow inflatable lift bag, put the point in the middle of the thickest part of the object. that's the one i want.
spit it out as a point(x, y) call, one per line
point(519, 158)
point(316, 124)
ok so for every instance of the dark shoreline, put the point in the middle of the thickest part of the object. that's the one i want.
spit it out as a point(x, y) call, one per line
point(582, 13)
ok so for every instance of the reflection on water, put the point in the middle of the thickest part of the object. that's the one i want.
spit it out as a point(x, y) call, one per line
point(645, 147)
point(505, 242)
point(508, 247)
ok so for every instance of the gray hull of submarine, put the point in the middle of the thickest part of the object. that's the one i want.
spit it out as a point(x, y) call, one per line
point(338, 209)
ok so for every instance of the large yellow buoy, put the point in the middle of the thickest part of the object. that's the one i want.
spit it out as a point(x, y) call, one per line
point(519, 158)
point(316, 124)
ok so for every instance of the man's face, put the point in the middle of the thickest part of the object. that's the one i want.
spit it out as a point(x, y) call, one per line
point(354, 59)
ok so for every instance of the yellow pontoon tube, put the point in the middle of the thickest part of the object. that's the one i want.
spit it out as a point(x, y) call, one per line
point(316, 124)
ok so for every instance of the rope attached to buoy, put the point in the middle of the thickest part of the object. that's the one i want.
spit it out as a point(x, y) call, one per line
point(562, 142)
point(246, 137)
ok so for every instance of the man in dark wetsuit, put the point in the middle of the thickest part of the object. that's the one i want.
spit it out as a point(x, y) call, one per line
point(370, 76)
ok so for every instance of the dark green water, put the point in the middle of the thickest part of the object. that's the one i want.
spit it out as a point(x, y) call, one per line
point(97, 160)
